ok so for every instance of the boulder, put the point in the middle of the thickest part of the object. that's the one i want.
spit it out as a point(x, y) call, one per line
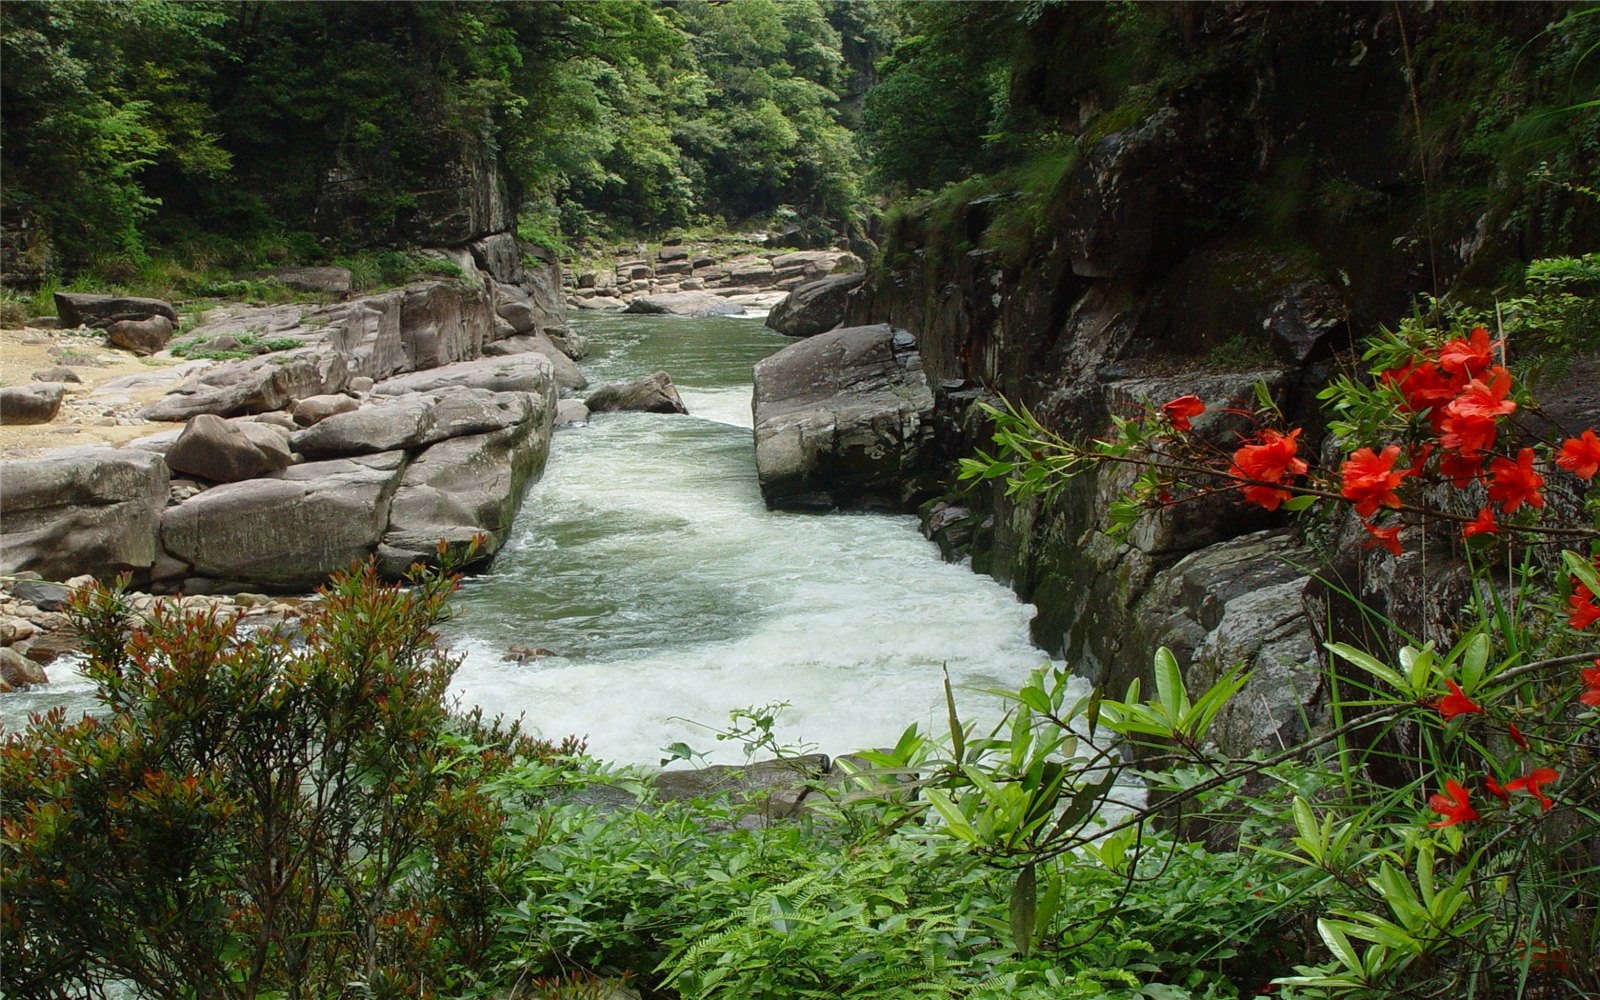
point(411, 421)
point(441, 323)
point(82, 510)
point(316, 408)
point(18, 671)
point(465, 487)
point(226, 451)
point(60, 373)
point(569, 342)
point(839, 418)
point(672, 253)
point(31, 404)
point(815, 307)
point(499, 256)
point(654, 393)
point(601, 303)
point(254, 385)
point(774, 787)
point(571, 413)
point(317, 280)
point(288, 531)
point(684, 304)
point(566, 373)
point(516, 373)
point(81, 309)
point(43, 594)
point(141, 336)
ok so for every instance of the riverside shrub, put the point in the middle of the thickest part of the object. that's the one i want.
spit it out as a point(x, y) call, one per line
point(1475, 876)
point(290, 812)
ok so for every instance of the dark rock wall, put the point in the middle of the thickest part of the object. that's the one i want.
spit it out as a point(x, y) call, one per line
point(1257, 214)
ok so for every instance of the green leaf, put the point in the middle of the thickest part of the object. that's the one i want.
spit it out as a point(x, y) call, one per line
point(1024, 909)
point(1300, 502)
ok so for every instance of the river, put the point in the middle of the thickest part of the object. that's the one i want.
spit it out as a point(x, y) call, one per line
point(646, 560)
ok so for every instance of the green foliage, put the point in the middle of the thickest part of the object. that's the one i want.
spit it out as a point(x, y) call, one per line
point(250, 345)
point(253, 811)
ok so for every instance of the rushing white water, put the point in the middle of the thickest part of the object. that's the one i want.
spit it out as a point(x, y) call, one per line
point(646, 560)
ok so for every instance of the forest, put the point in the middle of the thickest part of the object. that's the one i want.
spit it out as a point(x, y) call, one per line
point(1065, 202)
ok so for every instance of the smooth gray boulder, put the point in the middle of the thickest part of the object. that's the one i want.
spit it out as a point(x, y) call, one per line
point(226, 451)
point(566, 372)
point(568, 341)
point(60, 373)
point(288, 531)
point(19, 672)
point(317, 280)
point(83, 309)
point(414, 420)
point(141, 336)
point(255, 385)
point(516, 373)
point(571, 413)
point(316, 408)
point(82, 510)
point(600, 303)
point(684, 304)
point(839, 419)
point(815, 307)
point(654, 393)
point(464, 487)
point(31, 404)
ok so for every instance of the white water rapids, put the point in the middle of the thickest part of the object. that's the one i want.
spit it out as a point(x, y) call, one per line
point(646, 560)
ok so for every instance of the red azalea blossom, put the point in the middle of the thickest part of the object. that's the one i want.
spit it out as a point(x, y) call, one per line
point(1516, 483)
point(1389, 538)
point(1181, 409)
point(1494, 789)
point(1425, 388)
point(1472, 354)
point(1484, 525)
point(1591, 685)
point(1469, 420)
point(1461, 470)
point(1269, 461)
point(1370, 479)
point(1583, 613)
point(1455, 703)
point(1453, 806)
point(1581, 455)
point(1420, 460)
point(1533, 783)
point(1517, 737)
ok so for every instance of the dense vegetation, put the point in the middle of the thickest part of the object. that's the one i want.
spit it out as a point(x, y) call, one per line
point(160, 124)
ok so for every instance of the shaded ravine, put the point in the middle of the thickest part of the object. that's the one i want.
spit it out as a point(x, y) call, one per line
point(647, 561)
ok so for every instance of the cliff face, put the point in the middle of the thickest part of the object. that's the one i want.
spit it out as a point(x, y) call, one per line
point(1243, 216)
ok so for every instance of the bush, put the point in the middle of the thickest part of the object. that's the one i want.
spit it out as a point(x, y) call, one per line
point(275, 810)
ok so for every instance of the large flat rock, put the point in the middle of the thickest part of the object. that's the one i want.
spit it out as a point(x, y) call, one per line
point(289, 531)
point(514, 373)
point(82, 510)
point(839, 419)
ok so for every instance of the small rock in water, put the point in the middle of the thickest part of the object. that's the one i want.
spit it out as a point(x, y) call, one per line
point(517, 654)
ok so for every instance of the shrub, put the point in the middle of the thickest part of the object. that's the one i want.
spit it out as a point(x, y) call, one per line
point(277, 810)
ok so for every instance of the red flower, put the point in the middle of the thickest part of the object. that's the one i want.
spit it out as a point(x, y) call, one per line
point(1591, 685)
point(1583, 613)
point(1181, 409)
point(1533, 783)
point(1461, 469)
point(1370, 479)
point(1389, 538)
point(1268, 462)
point(1455, 703)
point(1494, 789)
point(1454, 807)
point(1420, 460)
point(1469, 421)
point(1425, 388)
point(1484, 525)
point(1471, 355)
point(1516, 736)
point(1516, 483)
point(1581, 455)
